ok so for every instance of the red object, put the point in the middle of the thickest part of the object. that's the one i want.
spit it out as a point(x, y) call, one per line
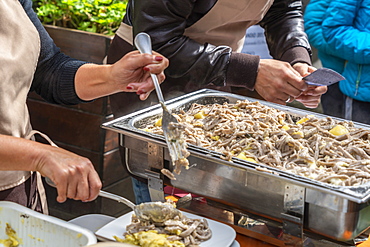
point(177, 192)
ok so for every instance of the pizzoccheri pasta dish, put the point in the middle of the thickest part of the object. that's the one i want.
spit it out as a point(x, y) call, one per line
point(180, 231)
point(322, 149)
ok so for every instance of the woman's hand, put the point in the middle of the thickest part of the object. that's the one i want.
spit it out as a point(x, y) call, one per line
point(74, 176)
point(130, 74)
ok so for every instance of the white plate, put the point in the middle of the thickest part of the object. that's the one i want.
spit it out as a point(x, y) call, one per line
point(222, 234)
point(93, 222)
point(235, 244)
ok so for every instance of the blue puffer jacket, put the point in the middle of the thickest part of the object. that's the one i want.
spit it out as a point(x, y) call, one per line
point(313, 18)
point(346, 28)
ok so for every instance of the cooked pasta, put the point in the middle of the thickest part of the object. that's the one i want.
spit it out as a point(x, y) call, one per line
point(323, 149)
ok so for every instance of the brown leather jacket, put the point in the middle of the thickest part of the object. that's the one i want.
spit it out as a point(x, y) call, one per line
point(190, 61)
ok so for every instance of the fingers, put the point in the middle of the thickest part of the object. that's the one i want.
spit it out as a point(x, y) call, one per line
point(143, 89)
point(85, 189)
point(78, 184)
point(94, 185)
point(309, 98)
point(312, 96)
point(157, 68)
point(74, 191)
point(316, 91)
point(281, 83)
point(62, 192)
point(74, 176)
point(132, 73)
point(152, 63)
point(145, 85)
point(278, 82)
point(309, 101)
point(304, 69)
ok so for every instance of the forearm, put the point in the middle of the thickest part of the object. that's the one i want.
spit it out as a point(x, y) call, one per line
point(92, 81)
point(18, 154)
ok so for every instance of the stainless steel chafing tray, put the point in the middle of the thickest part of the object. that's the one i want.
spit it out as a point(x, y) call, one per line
point(339, 213)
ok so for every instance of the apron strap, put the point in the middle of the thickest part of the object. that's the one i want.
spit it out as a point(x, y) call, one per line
point(42, 195)
point(34, 132)
point(40, 185)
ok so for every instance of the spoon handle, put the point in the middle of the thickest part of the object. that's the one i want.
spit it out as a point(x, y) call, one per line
point(144, 45)
point(104, 194)
point(117, 198)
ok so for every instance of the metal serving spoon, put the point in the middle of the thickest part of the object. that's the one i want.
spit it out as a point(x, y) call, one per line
point(148, 211)
point(176, 146)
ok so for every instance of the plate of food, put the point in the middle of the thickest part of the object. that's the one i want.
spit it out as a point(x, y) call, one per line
point(211, 233)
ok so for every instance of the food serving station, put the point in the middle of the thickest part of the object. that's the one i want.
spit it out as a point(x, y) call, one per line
point(272, 205)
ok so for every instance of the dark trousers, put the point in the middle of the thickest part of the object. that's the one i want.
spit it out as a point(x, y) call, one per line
point(336, 104)
point(25, 194)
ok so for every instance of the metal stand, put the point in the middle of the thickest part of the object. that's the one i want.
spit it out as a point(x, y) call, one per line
point(155, 185)
point(289, 232)
point(155, 179)
point(293, 215)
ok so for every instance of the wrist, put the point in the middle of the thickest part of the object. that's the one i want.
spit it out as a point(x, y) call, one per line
point(297, 54)
point(242, 70)
point(93, 81)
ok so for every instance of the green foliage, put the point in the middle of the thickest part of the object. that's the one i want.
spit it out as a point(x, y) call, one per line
point(98, 16)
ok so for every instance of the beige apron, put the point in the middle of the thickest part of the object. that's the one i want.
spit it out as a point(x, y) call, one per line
point(19, 52)
point(225, 24)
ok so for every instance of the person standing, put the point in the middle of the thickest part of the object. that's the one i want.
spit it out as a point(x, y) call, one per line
point(203, 41)
point(340, 30)
point(30, 61)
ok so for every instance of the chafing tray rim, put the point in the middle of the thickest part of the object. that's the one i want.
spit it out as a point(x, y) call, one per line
point(125, 125)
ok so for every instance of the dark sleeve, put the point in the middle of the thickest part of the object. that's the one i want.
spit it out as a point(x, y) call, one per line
point(55, 72)
point(165, 21)
point(284, 30)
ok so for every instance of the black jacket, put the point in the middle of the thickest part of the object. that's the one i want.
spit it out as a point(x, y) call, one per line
point(195, 65)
